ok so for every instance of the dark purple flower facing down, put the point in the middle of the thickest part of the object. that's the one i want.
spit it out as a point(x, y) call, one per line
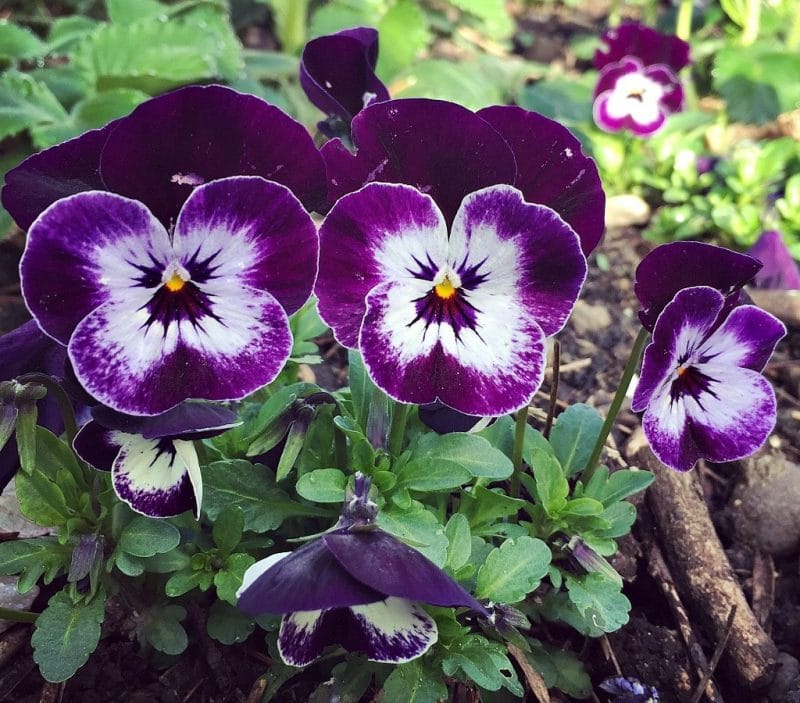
point(701, 389)
point(153, 463)
point(168, 146)
point(627, 689)
point(337, 73)
point(639, 98)
point(358, 587)
point(28, 350)
point(779, 270)
point(671, 267)
point(644, 43)
point(152, 319)
point(459, 317)
point(448, 152)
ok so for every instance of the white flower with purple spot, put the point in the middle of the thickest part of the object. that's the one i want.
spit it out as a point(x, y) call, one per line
point(153, 317)
point(701, 387)
point(458, 316)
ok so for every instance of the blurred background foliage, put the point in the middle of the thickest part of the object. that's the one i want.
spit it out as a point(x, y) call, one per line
point(74, 65)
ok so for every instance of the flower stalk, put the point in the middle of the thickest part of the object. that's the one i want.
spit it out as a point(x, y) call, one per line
point(57, 391)
point(516, 453)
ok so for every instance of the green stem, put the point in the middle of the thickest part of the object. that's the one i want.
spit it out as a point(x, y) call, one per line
point(398, 429)
point(616, 404)
point(683, 24)
point(17, 615)
point(793, 38)
point(551, 408)
point(752, 22)
point(516, 452)
point(64, 405)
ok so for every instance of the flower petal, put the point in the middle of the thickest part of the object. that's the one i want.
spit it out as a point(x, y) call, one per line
point(337, 72)
point(382, 232)
point(99, 446)
point(150, 475)
point(62, 170)
point(391, 631)
point(780, 270)
point(189, 420)
point(672, 267)
point(87, 250)
point(309, 578)
point(667, 430)
point(440, 148)
point(253, 233)
point(385, 564)
point(144, 366)
point(194, 135)
point(647, 44)
point(552, 169)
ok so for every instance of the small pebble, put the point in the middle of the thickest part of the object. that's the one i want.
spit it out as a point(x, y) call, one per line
point(626, 211)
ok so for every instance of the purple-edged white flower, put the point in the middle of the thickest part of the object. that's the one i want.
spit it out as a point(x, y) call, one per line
point(780, 270)
point(701, 389)
point(454, 313)
point(337, 73)
point(639, 98)
point(645, 43)
point(153, 463)
point(357, 587)
point(670, 268)
point(153, 317)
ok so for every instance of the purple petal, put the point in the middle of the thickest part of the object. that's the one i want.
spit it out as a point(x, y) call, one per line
point(98, 446)
point(671, 267)
point(385, 564)
point(139, 364)
point(170, 144)
point(391, 631)
point(371, 236)
point(84, 251)
point(780, 270)
point(253, 231)
point(552, 169)
point(310, 578)
point(645, 43)
point(440, 148)
point(55, 173)
point(443, 419)
point(337, 72)
point(153, 477)
point(189, 420)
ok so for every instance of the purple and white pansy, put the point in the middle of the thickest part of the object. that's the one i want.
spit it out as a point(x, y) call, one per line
point(152, 317)
point(457, 314)
point(153, 463)
point(645, 43)
point(357, 587)
point(701, 387)
point(639, 98)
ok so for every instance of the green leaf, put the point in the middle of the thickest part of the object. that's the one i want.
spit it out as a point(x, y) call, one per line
point(551, 486)
point(128, 564)
point(25, 431)
point(26, 103)
point(624, 483)
point(144, 536)
point(413, 683)
point(458, 455)
point(582, 507)
point(65, 635)
point(160, 626)
point(341, 14)
point(322, 486)
point(240, 483)
point(404, 35)
point(560, 669)
point(500, 434)
point(600, 601)
point(186, 580)
point(496, 20)
point(166, 563)
point(513, 570)
point(228, 527)
point(361, 388)
point(417, 527)
point(52, 454)
point(560, 99)
point(271, 65)
point(574, 435)
point(483, 507)
point(459, 541)
point(227, 624)
point(463, 82)
point(19, 42)
point(484, 662)
point(41, 500)
point(65, 32)
point(33, 559)
point(229, 578)
point(128, 11)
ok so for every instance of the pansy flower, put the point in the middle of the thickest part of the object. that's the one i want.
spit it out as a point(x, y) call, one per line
point(627, 689)
point(168, 146)
point(153, 463)
point(153, 317)
point(672, 267)
point(337, 73)
point(638, 86)
point(779, 269)
point(357, 587)
point(701, 387)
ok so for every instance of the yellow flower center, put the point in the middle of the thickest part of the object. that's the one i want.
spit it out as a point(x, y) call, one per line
point(445, 289)
point(175, 283)
point(681, 371)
